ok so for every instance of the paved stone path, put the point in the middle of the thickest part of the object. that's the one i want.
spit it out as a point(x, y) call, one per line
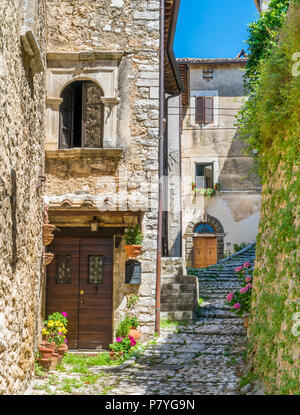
point(202, 358)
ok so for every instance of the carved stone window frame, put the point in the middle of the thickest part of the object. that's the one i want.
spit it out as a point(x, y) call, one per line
point(101, 67)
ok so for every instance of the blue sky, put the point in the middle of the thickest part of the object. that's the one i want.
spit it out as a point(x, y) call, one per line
point(213, 28)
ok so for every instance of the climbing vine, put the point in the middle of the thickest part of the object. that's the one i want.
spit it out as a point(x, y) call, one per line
point(272, 124)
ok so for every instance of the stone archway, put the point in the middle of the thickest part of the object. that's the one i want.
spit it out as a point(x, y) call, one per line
point(190, 233)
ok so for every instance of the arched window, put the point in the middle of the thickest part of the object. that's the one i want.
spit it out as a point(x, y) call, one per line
point(204, 228)
point(81, 115)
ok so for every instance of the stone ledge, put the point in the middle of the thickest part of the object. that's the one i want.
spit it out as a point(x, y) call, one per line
point(112, 153)
point(85, 55)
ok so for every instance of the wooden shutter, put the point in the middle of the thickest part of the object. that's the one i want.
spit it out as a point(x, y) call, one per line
point(199, 110)
point(209, 110)
point(92, 115)
point(66, 118)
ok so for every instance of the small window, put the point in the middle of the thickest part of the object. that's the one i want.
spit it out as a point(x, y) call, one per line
point(81, 116)
point(95, 269)
point(63, 269)
point(204, 176)
point(204, 112)
point(204, 228)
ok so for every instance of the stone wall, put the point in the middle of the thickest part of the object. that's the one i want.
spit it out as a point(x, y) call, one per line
point(120, 38)
point(22, 135)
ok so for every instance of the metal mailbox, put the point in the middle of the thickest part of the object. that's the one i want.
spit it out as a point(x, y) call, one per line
point(132, 272)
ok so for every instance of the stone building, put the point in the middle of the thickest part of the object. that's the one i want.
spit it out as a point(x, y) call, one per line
point(22, 135)
point(262, 5)
point(226, 209)
point(102, 146)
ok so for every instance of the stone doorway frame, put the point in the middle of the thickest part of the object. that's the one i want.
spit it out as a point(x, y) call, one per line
point(190, 234)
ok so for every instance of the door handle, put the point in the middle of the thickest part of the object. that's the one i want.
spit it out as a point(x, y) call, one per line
point(81, 301)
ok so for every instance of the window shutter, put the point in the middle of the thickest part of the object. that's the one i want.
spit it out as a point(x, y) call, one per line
point(199, 110)
point(66, 118)
point(92, 115)
point(209, 110)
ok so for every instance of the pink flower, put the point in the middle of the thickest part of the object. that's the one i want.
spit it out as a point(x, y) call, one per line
point(60, 333)
point(243, 290)
point(238, 269)
point(237, 305)
point(66, 341)
point(230, 296)
point(247, 265)
point(64, 314)
point(119, 339)
point(249, 286)
point(248, 279)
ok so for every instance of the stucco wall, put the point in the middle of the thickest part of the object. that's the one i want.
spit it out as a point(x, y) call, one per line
point(130, 31)
point(237, 204)
point(22, 136)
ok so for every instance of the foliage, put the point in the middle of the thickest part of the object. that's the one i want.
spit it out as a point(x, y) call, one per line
point(273, 125)
point(80, 363)
point(263, 37)
point(240, 300)
point(135, 322)
point(167, 323)
point(132, 301)
point(125, 325)
point(133, 236)
point(55, 328)
point(207, 192)
point(123, 344)
point(239, 247)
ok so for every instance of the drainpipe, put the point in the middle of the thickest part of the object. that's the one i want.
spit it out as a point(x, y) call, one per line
point(161, 160)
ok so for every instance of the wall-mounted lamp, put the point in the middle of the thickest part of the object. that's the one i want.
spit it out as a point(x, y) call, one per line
point(94, 224)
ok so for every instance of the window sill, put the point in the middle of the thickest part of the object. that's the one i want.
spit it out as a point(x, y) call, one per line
point(112, 153)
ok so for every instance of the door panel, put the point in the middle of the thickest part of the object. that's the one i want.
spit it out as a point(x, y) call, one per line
point(95, 302)
point(205, 252)
point(63, 282)
point(80, 282)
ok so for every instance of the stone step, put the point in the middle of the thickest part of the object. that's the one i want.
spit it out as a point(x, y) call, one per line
point(176, 307)
point(184, 279)
point(177, 315)
point(177, 288)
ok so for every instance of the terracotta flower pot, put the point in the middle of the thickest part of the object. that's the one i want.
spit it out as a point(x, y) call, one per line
point(48, 228)
point(133, 250)
point(136, 334)
point(62, 350)
point(47, 239)
point(246, 320)
point(115, 355)
point(52, 346)
point(48, 258)
point(45, 362)
point(54, 360)
point(46, 352)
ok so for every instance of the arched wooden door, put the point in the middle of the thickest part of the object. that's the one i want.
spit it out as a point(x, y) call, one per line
point(204, 251)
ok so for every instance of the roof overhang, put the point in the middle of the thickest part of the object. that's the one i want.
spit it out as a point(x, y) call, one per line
point(173, 83)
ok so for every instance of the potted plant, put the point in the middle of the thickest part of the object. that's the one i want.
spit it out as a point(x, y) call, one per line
point(54, 345)
point(133, 332)
point(121, 347)
point(133, 240)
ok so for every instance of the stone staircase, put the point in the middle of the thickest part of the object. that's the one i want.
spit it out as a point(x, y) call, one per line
point(216, 281)
point(180, 293)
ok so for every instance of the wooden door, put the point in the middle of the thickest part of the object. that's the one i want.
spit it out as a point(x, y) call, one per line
point(95, 293)
point(80, 282)
point(205, 252)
